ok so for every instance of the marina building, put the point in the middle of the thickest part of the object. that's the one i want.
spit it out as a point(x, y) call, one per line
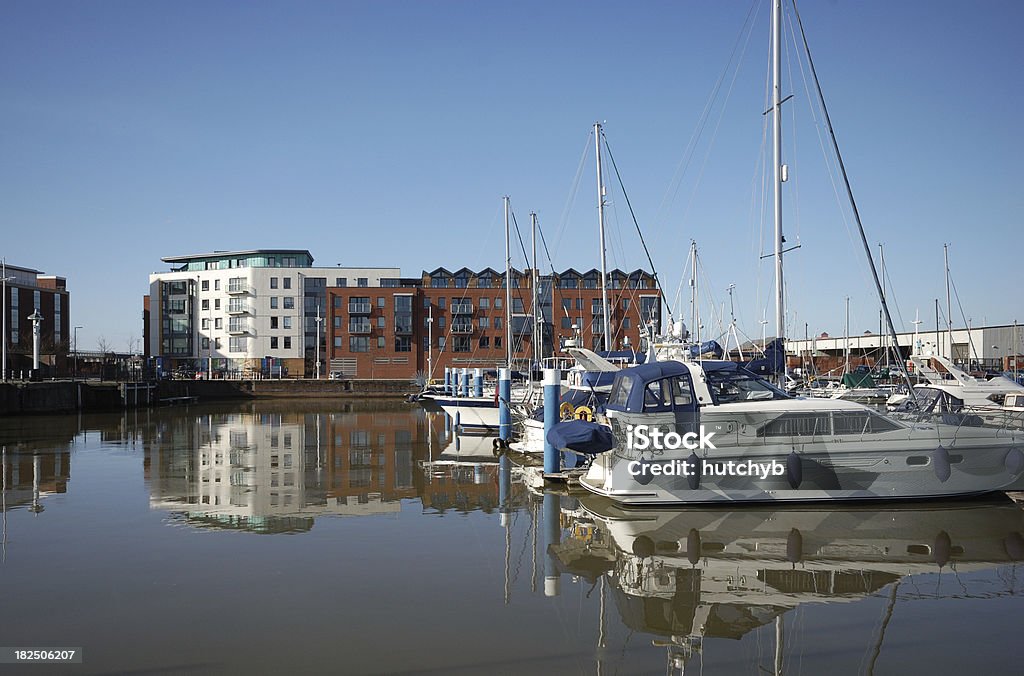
point(244, 312)
point(457, 318)
point(978, 348)
point(27, 291)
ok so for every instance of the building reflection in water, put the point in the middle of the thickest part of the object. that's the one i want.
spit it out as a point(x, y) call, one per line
point(275, 471)
point(686, 576)
point(29, 477)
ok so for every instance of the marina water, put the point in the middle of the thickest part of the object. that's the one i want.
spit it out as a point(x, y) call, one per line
point(317, 537)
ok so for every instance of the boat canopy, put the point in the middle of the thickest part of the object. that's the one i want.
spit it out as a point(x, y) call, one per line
point(855, 380)
point(707, 347)
point(581, 436)
point(773, 361)
point(630, 384)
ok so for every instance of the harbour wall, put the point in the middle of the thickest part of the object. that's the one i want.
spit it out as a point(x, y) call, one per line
point(67, 396)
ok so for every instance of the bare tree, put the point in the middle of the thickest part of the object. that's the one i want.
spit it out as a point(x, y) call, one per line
point(133, 344)
point(103, 345)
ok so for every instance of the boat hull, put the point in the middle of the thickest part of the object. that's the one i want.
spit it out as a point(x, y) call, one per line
point(928, 462)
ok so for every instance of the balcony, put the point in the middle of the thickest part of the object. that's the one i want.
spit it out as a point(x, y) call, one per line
point(359, 308)
point(359, 328)
point(403, 329)
point(462, 328)
point(462, 308)
point(238, 287)
point(238, 308)
point(238, 328)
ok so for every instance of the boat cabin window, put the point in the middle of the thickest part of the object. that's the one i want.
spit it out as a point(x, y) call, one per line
point(668, 393)
point(731, 386)
point(818, 424)
point(620, 392)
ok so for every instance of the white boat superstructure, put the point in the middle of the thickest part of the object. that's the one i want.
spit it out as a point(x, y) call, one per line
point(824, 449)
point(977, 394)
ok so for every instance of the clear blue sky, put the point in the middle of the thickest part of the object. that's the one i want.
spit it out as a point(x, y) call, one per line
point(385, 133)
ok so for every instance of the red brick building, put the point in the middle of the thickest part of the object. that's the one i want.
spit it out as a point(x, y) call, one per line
point(457, 319)
point(28, 290)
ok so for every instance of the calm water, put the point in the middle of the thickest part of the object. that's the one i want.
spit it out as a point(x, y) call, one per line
point(314, 538)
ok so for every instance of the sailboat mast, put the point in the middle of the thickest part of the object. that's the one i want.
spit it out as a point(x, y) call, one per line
point(780, 310)
point(883, 343)
point(694, 300)
point(537, 349)
point(508, 289)
point(846, 369)
point(949, 306)
point(600, 224)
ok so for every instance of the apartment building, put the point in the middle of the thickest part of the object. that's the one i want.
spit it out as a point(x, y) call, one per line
point(28, 291)
point(245, 312)
point(458, 318)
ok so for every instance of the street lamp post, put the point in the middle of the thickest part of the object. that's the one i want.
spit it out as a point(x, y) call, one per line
point(319, 321)
point(430, 343)
point(75, 368)
point(36, 319)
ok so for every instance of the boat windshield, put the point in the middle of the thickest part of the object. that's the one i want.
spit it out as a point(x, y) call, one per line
point(731, 386)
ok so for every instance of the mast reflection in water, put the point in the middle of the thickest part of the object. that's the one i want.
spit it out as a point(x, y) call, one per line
point(235, 522)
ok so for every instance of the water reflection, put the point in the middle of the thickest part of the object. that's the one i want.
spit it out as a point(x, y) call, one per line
point(275, 472)
point(686, 576)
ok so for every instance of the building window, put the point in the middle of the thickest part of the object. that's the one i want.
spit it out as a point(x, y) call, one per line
point(363, 282)
point(216, 304)
point(403, 344)
point(287, 343)
point(206, 343)
point(218, 323)
point(205, 324)
point(273, 302)
point(566, 322)
point(462, 344)
point(336, 302)
point(426, 344)
point(337, 321)
point(497, 322)
point(380, 301)
point(380, 342)
point(485, 303)
point(273, 340)
point(273, 282)
point(485, 343)
point(461, 281)
point(497, 304)
point(440, 342)
point(517, 306)
point(439, 282)
point(273, 322)
point(286, 322)
point(440, 302)
point(485, 322)
point(289, 303)
point(206, 285)
point(426, 302)
point(625, 323)
point(286, 282)
point(497, 342)
point(236, 344)
point(206, 304)
point(337, 342)
point(380, 322)
point(625, 303)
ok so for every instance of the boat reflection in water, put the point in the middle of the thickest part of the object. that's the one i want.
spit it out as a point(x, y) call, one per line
point(696, 574)
point(275, 472)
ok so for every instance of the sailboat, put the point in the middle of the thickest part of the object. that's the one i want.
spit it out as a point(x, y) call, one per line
point(768, 446)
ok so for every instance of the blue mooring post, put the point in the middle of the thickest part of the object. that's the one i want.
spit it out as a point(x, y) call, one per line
point(504, 397)
point(552, 390)
point(465, 382)
point(552, 536)
point(478, 382)
point(504, 488)
point(447, 381)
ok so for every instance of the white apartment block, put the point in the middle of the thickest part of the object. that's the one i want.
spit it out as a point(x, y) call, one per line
point(227, 312)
